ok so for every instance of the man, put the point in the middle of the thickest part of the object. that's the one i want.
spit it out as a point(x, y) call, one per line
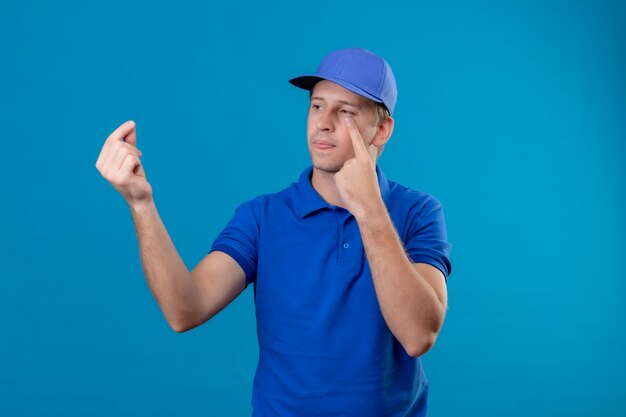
point(349, 269)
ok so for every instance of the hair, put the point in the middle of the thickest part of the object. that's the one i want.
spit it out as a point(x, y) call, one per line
point(380, 115)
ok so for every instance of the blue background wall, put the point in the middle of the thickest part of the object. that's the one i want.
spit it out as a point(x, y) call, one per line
point(513, 115)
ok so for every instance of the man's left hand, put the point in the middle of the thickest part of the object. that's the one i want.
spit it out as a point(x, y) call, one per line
point(357, 181)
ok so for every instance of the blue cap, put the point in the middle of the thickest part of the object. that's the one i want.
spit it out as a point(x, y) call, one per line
point(357, 70)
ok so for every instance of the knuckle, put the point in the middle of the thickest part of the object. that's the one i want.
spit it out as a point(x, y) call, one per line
point(117, 181)
point(121, 177)
point(130, 147)
point(125, 152)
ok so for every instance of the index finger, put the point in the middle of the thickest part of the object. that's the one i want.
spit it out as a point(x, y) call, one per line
point(360, 151)
point(127, 131)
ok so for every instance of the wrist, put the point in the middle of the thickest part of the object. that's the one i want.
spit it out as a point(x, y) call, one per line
point(141, 206)
point(375, 211)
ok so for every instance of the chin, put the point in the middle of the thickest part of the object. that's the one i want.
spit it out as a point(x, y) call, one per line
point(326, 164)
point(329, 167)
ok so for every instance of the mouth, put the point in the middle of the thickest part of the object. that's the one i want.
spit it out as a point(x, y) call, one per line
point(322, 145)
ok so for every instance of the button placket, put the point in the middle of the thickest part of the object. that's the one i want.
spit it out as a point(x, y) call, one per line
point(346, 248)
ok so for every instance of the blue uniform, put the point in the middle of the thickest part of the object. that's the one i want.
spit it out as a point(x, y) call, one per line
point(324, 347)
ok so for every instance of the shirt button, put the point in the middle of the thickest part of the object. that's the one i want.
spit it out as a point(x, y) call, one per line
point(346, 245)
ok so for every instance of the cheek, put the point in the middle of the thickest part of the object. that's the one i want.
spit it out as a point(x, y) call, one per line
point(368, 133)
point(310, 126)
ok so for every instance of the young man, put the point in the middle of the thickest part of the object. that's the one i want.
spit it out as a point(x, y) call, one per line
point(349, 269)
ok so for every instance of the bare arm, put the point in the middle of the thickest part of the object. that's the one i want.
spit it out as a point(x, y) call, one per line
point(412, 297)
point(187, 299)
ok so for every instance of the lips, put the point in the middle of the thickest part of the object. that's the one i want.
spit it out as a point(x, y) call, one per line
point(322, 144)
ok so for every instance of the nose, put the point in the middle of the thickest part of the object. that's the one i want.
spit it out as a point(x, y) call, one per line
point(324, 121)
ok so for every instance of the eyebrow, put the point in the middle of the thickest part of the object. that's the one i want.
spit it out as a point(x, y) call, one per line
point(338, 101)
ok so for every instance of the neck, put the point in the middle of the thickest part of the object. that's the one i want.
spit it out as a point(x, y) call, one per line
point(324, 183)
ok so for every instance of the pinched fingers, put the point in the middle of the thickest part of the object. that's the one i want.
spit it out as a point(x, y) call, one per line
point(129, 166)
point(119, 158)
point(118, 147)
point(108, 156)
point(125, 130)
point(116, 170)
point(125, 133)
point(123, 169)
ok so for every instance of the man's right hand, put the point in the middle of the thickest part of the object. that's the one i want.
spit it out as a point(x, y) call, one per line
point(119, 163)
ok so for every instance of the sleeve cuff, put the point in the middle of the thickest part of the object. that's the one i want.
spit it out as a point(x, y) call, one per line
point(432, 261)
point(243, 263)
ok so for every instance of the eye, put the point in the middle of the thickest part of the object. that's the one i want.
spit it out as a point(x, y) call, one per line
point(315, 106)
point(347, 112)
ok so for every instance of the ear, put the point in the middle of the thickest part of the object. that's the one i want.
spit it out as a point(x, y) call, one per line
point(385, 129)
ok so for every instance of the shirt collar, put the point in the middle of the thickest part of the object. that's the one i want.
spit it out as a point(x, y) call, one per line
point(308, 199)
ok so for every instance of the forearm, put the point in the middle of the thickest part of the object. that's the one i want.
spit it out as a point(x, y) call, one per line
point(169, 279)
point(408, 303)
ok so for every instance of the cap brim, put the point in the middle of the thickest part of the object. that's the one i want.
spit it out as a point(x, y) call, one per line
point(307, 82)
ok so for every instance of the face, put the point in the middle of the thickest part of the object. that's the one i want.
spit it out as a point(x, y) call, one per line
point(329, 141)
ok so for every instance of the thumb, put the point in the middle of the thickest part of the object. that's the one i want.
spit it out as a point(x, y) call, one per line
point(131, 136)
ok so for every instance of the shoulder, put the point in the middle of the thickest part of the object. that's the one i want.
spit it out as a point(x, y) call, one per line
point(413, 211)
point(406, 199)
point(419, 219)
point(260, 204)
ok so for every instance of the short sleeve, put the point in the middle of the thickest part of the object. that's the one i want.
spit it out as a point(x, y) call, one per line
point(239, 240)
point(427, 240)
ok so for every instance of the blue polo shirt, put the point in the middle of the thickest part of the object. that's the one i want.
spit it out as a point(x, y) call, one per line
point(324, 347)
